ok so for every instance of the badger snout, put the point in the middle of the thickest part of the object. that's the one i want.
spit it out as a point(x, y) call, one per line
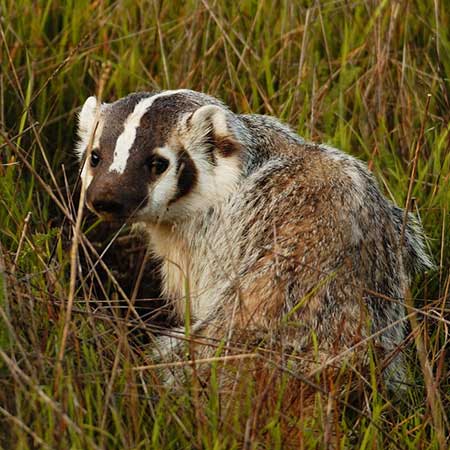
point(117, 202)
point(108, 207)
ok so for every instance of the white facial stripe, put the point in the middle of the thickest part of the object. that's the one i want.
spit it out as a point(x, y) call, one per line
point(167, 153)
point(166, 187)
point(126, 139)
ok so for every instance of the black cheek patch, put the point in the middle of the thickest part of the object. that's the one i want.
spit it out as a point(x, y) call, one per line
point(187, 176)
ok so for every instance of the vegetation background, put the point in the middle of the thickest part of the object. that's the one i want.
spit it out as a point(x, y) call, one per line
point(369, 77)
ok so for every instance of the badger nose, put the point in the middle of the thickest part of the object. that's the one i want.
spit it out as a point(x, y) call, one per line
point(108, 207)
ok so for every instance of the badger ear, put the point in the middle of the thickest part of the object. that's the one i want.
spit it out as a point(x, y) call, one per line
point(86, 118)
point(86, 123)
point(214, 124)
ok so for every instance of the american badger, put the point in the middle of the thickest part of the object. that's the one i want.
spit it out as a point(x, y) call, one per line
point(271, 241)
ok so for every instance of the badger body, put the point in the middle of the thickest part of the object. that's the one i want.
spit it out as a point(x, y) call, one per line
point(273, 240)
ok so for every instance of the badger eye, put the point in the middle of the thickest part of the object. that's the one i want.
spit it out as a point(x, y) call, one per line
point(95, 158)
point(159, 165)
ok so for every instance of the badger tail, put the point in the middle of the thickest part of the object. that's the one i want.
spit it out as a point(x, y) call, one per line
point(414, 251)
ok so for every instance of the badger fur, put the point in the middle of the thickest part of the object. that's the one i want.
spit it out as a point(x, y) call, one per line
point(282, 242)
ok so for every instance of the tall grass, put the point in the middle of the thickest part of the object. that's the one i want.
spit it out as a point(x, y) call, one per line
point(354, 74)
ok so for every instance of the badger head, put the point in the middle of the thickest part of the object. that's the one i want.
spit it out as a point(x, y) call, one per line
point(159, 157)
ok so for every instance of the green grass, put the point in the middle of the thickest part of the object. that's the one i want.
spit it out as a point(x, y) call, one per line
point(352, 74)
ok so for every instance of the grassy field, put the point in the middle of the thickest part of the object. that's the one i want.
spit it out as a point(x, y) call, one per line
point(364, 76)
